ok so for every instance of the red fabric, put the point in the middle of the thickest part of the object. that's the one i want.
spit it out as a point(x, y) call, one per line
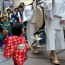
point(20, 20)
point(11, 49)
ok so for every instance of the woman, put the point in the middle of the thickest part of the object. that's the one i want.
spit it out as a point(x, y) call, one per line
point(54, 19)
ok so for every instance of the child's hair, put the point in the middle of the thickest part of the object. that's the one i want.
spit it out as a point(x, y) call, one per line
point(17, 29)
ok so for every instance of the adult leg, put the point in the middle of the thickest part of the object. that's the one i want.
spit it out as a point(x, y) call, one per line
point(54, 57)
point(51, 35)
point(31, 31)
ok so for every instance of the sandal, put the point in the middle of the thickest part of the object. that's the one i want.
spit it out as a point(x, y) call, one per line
point(52, 58)
point(56, 62)
point(35, 52)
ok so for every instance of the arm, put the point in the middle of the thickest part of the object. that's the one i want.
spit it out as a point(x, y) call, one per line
point(62, 19)
point(28, 17)
point(48, 4)
point(28, 13)
point(7, 51)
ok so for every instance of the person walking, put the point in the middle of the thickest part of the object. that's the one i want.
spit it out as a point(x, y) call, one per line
point(54, 18)
point(16, 45)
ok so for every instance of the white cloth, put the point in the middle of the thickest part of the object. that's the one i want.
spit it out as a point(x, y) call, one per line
point(50, 12)
point(54, 23)
point(28, 13)
point(55, 39)
point(54, 34)
point(54, 30)
point(29, 16)
point(62, 10)
point(21, 46)
point(47, 4)
point(30, 32)
point(48, 8)
point(58, 8)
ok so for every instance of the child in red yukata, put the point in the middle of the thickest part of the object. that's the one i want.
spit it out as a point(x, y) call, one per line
point(16, 46)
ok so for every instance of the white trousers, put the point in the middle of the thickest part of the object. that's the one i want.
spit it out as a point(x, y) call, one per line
point(30, 32)
point(55, 39)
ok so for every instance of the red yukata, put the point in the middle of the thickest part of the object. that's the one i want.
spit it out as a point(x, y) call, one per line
point(11, 50)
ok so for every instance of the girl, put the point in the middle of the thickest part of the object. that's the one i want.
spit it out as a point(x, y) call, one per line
point(16, 46)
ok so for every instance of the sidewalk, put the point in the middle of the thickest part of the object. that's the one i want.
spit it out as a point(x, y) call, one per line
point(39, 59)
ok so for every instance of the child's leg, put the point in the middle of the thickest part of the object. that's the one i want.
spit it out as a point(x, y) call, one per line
point(19, 62)
point(15, 63)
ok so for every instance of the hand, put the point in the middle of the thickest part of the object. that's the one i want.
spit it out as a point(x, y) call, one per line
point(5, 32)
point(61, 21)
point(22, 30)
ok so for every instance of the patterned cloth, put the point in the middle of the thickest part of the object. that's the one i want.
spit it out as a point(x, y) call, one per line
point(11, 50)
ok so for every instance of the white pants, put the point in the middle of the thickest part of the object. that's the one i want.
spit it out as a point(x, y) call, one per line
point(30, 32)
point(55, 39)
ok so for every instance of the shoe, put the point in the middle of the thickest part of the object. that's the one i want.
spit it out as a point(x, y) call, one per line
point(56, 62)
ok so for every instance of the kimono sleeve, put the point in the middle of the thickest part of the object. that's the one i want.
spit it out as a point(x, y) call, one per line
point(7, 50)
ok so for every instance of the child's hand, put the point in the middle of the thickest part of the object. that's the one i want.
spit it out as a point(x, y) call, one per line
point(5, 32)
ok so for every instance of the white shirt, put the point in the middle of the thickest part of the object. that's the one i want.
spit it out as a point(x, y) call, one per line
point(28, 13)
point(56, 13)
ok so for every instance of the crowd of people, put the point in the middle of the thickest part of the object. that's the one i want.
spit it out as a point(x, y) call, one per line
point(16, 27)
point(9, 18)
point(13, 25)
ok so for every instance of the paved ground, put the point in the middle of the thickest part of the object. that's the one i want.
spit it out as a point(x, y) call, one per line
point(39, 59)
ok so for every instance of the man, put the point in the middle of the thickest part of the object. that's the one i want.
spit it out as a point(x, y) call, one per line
point(29, 11)
point(54, 19)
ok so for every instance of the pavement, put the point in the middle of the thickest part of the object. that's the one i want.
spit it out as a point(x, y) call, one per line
point(36, 59)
